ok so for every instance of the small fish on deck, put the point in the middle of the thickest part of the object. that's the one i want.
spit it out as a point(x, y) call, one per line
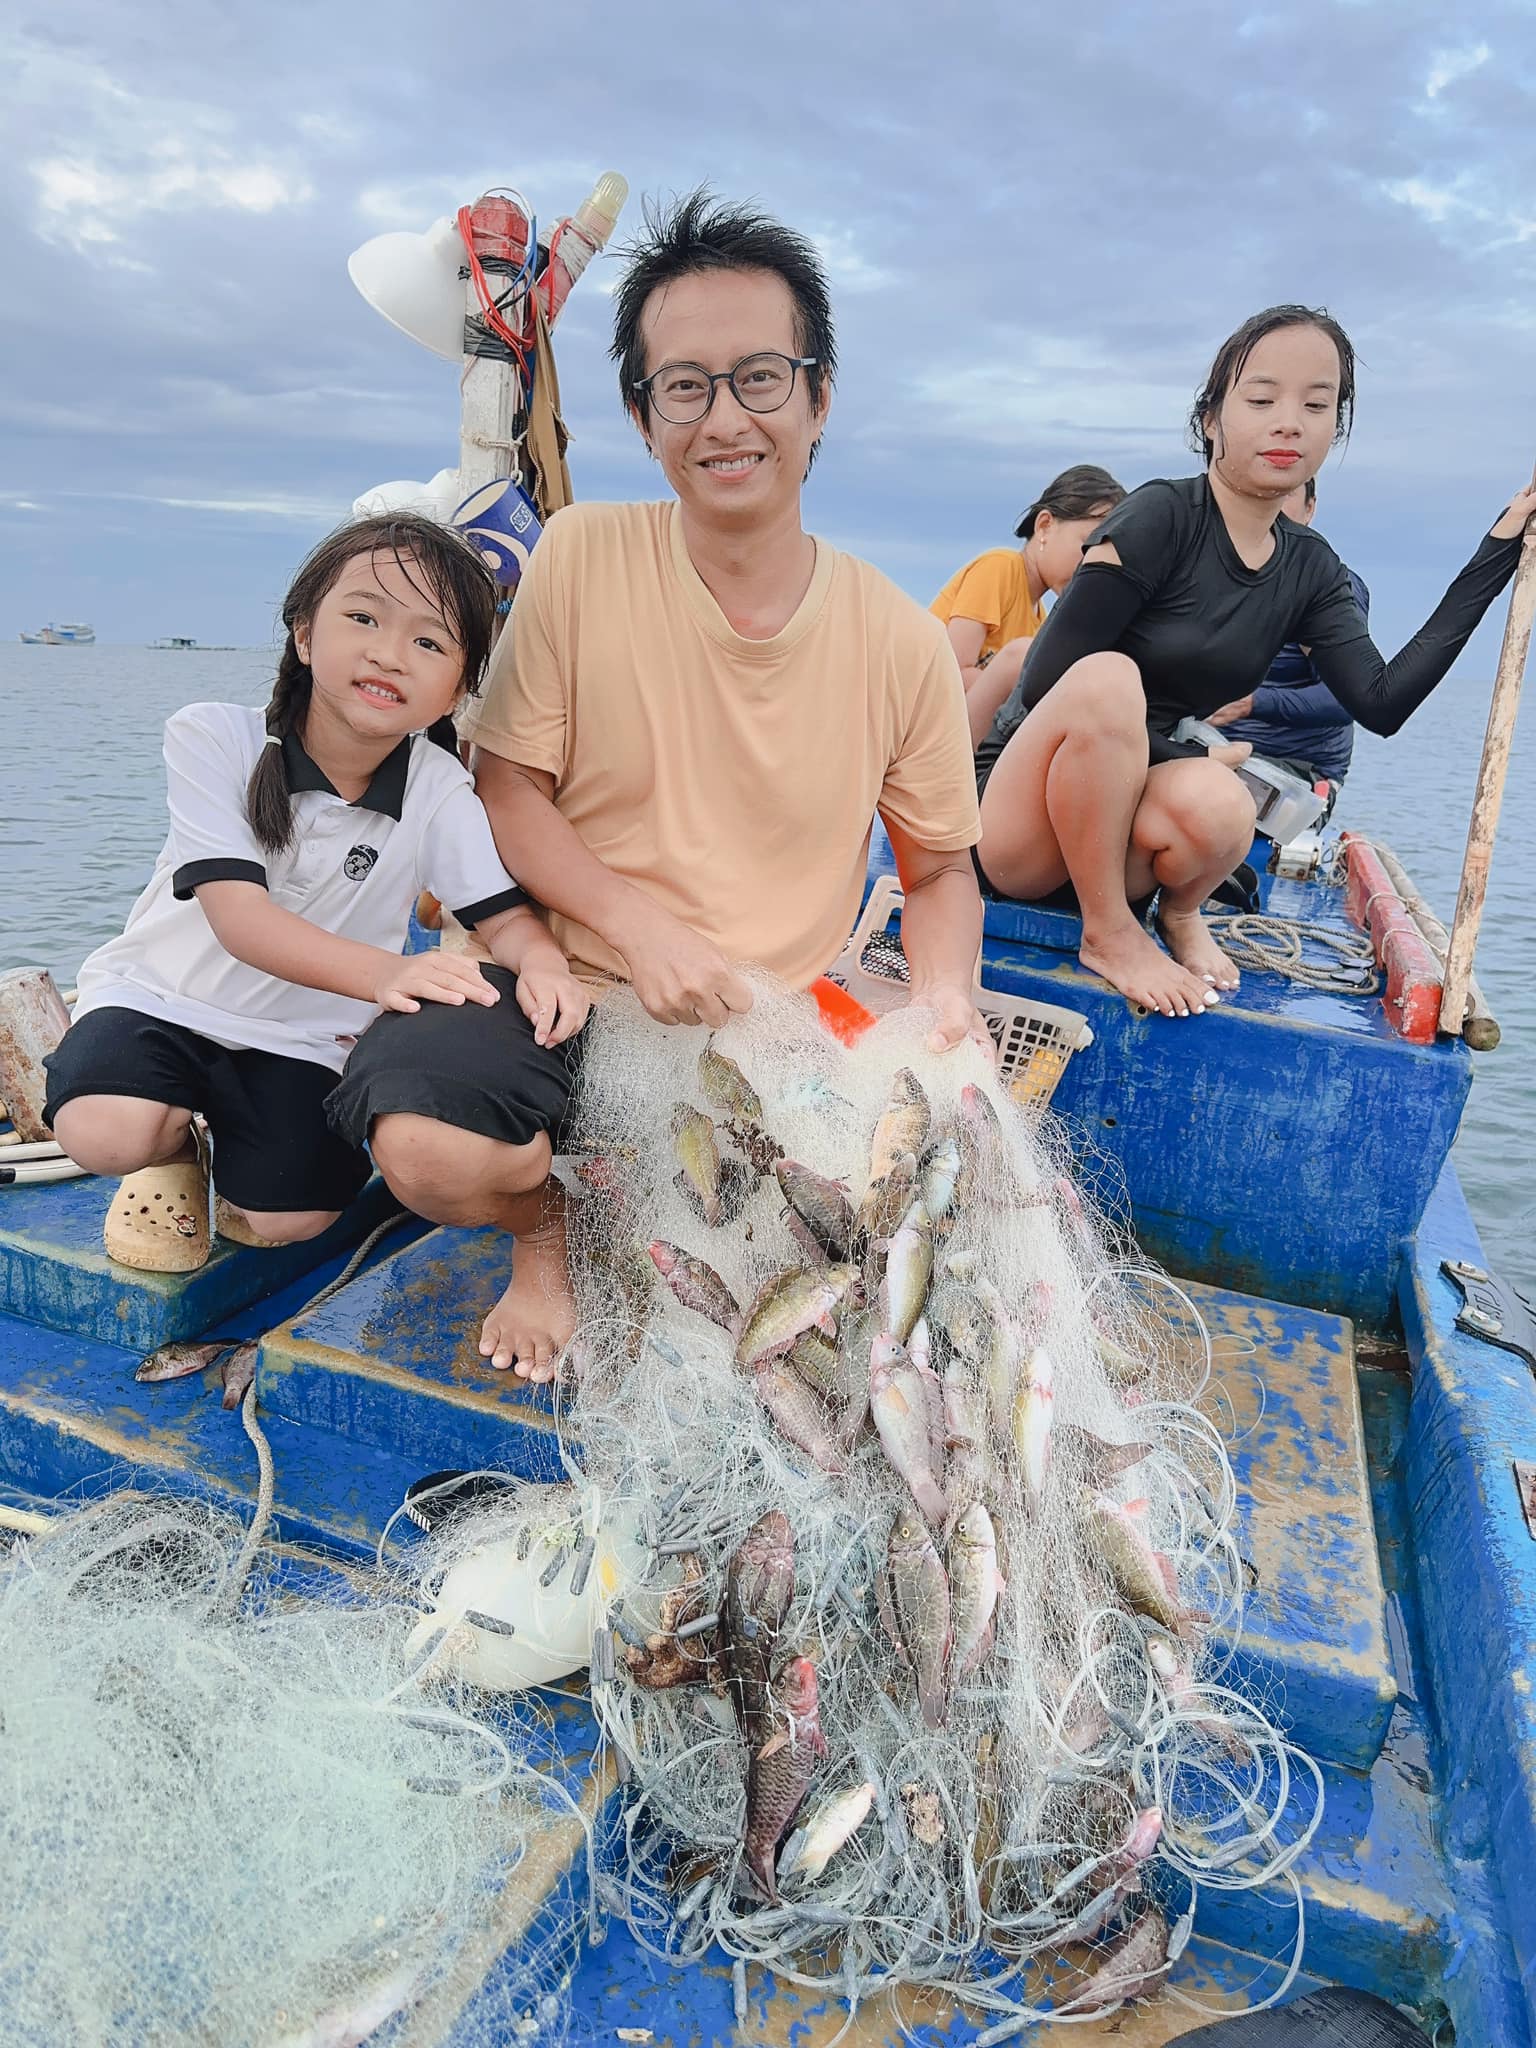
point(179, 1362)
point(237, 1372)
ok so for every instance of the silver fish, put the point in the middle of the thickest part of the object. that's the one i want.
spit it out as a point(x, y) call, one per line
point(898, 1401)
point(1033, 1407)
point(908, 1271)
point(938, 1176)
point(974, 1584)
point(178, 1361)
point(833, 1824)
point(919, 1600)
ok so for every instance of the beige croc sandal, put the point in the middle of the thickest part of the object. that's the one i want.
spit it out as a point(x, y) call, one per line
point(158, 1221)
point(230, 1224)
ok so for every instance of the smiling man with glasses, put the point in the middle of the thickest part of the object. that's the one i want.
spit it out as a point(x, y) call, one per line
point(690, 724)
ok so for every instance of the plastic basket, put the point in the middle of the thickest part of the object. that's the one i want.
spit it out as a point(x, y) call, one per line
point(1034, 1040)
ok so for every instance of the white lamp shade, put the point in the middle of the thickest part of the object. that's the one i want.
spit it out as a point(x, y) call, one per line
point(437, 498)
point(413, 280)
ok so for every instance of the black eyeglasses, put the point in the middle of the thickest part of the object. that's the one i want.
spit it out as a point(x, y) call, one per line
point(684, 392)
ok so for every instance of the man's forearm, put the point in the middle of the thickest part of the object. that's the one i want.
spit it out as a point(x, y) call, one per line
point(941, 927)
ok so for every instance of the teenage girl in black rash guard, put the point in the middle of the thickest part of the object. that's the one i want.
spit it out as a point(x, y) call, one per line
point(1187, 592)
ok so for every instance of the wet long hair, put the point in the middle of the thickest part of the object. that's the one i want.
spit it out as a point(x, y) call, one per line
point(1078, 493)
point(703, 232)
point(1237, 348)
point(435, 561)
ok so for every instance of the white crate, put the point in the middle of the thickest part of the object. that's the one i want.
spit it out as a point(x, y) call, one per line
point(1034, 1040)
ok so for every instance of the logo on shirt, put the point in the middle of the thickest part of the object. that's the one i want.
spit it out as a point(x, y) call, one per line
point(358, 862)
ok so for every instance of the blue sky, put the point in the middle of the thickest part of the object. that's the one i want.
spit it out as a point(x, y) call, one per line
point(1038, 230)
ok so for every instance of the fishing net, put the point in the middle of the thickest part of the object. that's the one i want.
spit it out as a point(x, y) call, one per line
point(920, 1619)
point(231, 1812)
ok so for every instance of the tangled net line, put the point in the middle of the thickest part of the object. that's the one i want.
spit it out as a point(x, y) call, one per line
point(1027, 1830)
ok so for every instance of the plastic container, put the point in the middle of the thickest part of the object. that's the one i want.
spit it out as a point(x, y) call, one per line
point(576, 239)
point(1034, 1040)
point(1286, 805)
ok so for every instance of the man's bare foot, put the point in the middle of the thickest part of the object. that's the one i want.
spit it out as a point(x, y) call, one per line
point(535, 1318)
point(1188, 938)
point(1131, 960)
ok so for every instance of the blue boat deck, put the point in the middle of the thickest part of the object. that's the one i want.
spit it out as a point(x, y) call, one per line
point(1287, 1154)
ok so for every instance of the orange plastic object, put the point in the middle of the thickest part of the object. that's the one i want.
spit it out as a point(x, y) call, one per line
point(844, 1016)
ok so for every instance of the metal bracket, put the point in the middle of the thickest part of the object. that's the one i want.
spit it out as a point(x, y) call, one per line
point(1492, 1310)
point(1525, 1486)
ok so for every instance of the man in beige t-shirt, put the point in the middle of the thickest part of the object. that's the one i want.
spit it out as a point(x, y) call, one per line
point(685, 735)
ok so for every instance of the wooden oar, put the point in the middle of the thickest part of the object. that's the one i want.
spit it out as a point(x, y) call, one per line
point(1491, 774)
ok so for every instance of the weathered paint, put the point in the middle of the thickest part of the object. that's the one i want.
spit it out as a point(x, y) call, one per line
point(53, 1270)
point(393, 1361)
point(1314, 1632)
point(1285, 1143)
point(1473, 1412)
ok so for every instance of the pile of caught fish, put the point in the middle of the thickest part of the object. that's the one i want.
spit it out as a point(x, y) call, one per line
point(942, 1552)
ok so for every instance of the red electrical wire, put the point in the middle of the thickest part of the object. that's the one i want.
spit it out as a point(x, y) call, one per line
point(494, 319)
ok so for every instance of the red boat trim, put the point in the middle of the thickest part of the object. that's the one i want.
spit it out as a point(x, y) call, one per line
point(1412, 999)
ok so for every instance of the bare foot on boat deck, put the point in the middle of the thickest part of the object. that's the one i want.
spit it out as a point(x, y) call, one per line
point(1188, 938)
point(535, 1318)
point(1130, 959)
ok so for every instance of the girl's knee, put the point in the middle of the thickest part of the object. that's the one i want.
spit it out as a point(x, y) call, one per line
point(118, 1134)
point(289, 1226)
point(1106, 690)
point(1212, 806)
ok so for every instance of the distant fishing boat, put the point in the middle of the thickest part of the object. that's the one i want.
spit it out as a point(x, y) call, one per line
point(61, 636)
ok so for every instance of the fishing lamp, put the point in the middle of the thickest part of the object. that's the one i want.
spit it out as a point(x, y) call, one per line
point(414, 281)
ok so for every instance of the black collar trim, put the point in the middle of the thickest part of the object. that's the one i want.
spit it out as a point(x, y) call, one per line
point(384, 794)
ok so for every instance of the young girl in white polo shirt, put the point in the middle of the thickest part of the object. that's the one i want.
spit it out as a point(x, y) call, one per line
point(270, 934)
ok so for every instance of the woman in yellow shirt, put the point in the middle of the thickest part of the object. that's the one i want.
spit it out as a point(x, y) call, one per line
point(992, 607)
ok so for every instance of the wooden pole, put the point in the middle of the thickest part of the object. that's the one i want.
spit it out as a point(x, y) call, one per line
point(1480, 1029)
point(490, 393)
point(1490, 789)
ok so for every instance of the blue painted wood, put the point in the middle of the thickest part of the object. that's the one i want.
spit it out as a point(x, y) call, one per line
point(1473, 1412)
point(393, 1361)
point(1285, 1143)
point(54, 1272)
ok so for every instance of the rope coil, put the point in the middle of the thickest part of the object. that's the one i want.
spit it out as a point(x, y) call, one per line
point(1275, 945)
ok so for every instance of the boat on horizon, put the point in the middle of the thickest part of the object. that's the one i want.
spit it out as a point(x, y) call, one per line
point(60, 636)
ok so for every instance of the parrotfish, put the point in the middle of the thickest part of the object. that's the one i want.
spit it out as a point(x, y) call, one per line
point(696, 1284)
point(1130, 1969)
point(698, 1157)
point(903, 1125)
point(938, 1174)
point(884, 1204)
point(791, 1302)
point(820, 1205)
point(799, 1414)
point(1140, 1576)
point(237, 1372)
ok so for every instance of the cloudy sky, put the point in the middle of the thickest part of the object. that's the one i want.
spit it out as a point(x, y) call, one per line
point(1039, 222)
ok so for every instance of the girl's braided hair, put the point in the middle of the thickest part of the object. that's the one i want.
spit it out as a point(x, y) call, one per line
point(435, 560)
